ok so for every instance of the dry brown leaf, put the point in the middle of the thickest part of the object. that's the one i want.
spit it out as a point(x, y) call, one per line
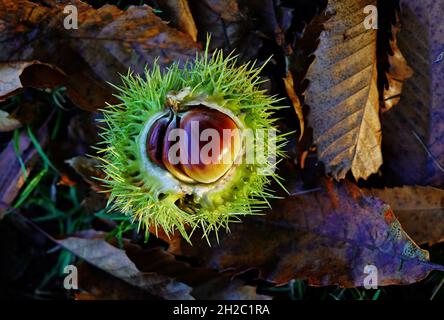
point(36, 74)
point(182, 17)
point(343, 94)
point(419, 209)
point(206, 283)
point(89, 170)
point(228, 27)
point(10, 77)
point(413, 131)
point(289, 86)
point(97, 284)
point(7, 122)
point(326, 237)
point(107, 43)
point(115, 262)
point(398, 72)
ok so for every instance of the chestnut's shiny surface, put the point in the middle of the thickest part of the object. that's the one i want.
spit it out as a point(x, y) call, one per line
point(216, 142)
point(154, 142)
point(196, 146)
point(172, 156)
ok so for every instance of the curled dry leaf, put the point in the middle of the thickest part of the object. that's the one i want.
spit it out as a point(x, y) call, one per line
point(7, 122)
point(343, 94)
point(205, 283)
point(289, 86)
point(182, 17)
point(10, 76)
point(398, 72)
point(97, 284)
point(419, 209)
point(413, 131)
point(88, 169)
point(327, 237)
point(115, 262)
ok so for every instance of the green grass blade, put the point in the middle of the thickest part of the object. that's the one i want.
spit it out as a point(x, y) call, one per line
point(39, 149)
point(30, 187)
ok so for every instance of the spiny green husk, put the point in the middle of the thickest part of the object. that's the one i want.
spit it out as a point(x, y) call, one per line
point(145, 196)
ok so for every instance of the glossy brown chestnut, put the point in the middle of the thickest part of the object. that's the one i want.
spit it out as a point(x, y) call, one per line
point(196, 146)
point(154, 141)
point(172, 156)
point(214, 143)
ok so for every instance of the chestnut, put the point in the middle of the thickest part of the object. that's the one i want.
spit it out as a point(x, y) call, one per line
point(173, 151)
point(154, 142)
point(213, 144)
point(198, 145)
